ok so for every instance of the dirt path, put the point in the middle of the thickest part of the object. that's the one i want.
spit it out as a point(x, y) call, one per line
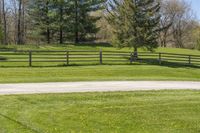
point(69, 87)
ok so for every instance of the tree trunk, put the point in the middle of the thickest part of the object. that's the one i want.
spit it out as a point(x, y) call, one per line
point(5, 41)
point(61, 24)
point(1, 41)
point(19, 32)
point(48, 36)
point(47, 23)
point(23, 23)
point(135, 55)
point(0, 12)
point(61, 35)
point(76, 22)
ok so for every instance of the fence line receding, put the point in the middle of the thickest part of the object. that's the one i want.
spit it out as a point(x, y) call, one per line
point(37, 58)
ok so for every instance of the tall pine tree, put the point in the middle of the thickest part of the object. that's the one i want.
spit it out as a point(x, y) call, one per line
point(84, 23)
point(135, 23)
point(42, 14)
point(62, 18)
point(65, 19)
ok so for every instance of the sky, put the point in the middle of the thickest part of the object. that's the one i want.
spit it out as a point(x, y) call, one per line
point(196, 7)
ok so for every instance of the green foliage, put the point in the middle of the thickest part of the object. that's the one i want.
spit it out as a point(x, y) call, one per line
point(65, 17)
point(86, 21)
point(198, 44)
point(196, 37)
point(135, 23)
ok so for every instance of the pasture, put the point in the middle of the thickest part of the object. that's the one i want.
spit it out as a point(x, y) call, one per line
point(169, 111)
point(92, 55)
point(140, 112)
point(17, 72)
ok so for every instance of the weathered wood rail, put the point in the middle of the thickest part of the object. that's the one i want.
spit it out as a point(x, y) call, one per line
point(35, 57)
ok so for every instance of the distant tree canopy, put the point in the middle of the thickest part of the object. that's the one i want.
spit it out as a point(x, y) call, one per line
point(125, 23)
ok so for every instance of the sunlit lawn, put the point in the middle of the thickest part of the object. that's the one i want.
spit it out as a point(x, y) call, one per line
point(118, 112)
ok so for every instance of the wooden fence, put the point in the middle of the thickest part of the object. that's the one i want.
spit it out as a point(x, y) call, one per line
point(92, 57)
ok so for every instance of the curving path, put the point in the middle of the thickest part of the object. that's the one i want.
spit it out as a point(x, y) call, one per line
point(69, 87)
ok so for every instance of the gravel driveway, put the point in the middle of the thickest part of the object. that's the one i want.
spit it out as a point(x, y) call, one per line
point(69, 87)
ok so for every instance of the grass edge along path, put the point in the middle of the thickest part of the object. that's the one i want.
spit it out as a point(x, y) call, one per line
point(98, 73)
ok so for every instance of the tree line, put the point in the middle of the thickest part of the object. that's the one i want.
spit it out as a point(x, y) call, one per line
point(125, 23)
point(153, 23)
point(49, 21)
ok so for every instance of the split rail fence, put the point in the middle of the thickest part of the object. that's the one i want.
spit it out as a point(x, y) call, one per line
point(46, 58)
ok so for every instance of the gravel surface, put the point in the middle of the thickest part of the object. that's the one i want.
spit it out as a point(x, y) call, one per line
point(70, 87)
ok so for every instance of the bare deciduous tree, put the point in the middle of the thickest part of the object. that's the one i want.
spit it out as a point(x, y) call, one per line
point(180, 15)
point(19, 31)
point(5, 41)
point(166, 21)
point(1, 41)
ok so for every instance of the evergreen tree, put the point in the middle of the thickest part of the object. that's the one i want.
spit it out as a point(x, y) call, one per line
point(84, 23)
point(135, 23)
point(42, 14)
point(62, 18)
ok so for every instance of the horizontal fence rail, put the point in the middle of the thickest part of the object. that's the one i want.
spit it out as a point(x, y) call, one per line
point(46, 58)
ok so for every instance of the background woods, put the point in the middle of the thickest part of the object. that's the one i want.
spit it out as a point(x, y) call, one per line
point(64, 21)
point(48, 21)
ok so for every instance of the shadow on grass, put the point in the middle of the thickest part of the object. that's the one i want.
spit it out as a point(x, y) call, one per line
point(7, 49)
point(139, 62)
point(3, 58)
point(94, 44)
point(19, 123)
point(167, 63)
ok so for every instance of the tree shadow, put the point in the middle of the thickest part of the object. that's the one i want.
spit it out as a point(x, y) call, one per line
point(139, 61)
point(153, 61)
point(7, 49)
point(2, 58)
point(94, 44)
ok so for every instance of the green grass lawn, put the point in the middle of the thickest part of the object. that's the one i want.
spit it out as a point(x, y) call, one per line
point(59, 73)
point(117, 112)
point(142, 111)
point(98, 73)
point(91, 58)
point(104, 47)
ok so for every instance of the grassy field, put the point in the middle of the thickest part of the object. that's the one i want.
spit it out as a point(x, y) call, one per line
point(119, 56)
point(138, 112)
point(98, 73)
point(59, 73)
point(94, 47)
point(104, 47)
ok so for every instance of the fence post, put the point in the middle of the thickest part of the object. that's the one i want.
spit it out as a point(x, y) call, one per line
point(131, 58)
point(160, 58)
point(67, 56)
point(101, 57)
point(189, 59)
point(30, 58)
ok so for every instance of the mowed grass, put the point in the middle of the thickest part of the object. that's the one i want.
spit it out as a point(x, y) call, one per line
point(104, 47)
point(116, 112)
point(98, 73)
point(13, 72)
